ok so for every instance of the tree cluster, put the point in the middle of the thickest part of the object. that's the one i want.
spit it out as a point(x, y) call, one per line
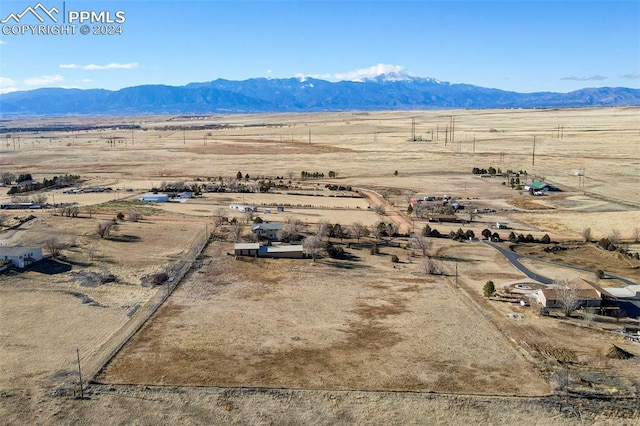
point(521, 238)
point(304, 175)
point(461, 235)
point(427, 231)
point(55, 182)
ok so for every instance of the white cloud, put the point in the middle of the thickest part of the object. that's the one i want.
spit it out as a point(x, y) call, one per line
point(44, 80)
point(7, 85)
point(93, 67)
point(632, 75)
point(586, 78)
point(360, 74)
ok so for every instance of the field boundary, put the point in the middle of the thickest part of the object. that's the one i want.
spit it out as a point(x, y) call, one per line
point(109, 349)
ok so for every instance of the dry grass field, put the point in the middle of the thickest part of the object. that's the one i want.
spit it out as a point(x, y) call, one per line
point(333, 325)
point(349, 341)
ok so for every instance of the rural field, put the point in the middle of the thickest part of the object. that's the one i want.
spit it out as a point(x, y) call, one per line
point(398, 335)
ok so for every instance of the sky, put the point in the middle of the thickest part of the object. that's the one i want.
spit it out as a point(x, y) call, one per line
point(517, 45)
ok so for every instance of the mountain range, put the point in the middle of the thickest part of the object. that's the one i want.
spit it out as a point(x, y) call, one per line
point(393, 91)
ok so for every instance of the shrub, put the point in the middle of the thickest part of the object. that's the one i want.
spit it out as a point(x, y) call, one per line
point(599, 274)
point(374, 249)
point(159, 278)
point(489, 289)
point(546, 239)
point(395, 259)
point(120, 216)
point(333, 251)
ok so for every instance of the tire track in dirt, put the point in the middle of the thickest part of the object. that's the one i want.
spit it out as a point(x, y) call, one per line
point(404, 225)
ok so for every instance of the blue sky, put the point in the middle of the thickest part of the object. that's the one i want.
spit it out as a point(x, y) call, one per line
point(518, 45)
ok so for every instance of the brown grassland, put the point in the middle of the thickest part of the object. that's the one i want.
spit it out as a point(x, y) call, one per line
point(337, 341)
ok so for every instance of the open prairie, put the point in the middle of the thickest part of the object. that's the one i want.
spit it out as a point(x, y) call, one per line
point(377, 330)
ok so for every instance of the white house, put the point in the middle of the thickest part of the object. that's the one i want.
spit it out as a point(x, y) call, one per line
point(21, 257)
point(267, 230)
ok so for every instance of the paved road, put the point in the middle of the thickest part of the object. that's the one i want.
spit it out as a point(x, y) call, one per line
point(514, 258)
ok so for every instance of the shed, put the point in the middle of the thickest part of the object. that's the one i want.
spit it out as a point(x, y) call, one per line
point(246, 249)
point(21, 257)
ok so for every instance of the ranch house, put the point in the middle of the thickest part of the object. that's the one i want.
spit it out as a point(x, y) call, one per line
point(20, 257)
point(268, 231)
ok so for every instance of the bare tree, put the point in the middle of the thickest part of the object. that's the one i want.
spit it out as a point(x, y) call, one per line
point(568, 296)
point(379, 209)
point(220, 216)
point(430, 266)
point(391, 230)
point(322, 228)
point(89, 209)
point(636, 235)
point(473, 214)
point(379, 230)
point(7, 177)
point(3, 219)
point(53, 246)
point(104, 228)
point(248, 216)
point(614, 236)
point(358, 230)
point(39, 199)
point(291, 229)
point(235, 234)
point(421, 243)
point(312, 246)
point(134, 216)
point(586, 234)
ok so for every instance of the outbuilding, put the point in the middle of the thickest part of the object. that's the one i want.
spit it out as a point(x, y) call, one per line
point(288, 251)
point(154, 198)
point(246, 249)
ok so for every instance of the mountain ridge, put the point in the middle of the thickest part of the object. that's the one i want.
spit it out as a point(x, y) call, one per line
point(394, 90)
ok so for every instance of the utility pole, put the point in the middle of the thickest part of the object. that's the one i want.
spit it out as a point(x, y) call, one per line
point(309, 136)
point(533, 154)
point(453, 128)
point(80, 374)
point(413, 129)
point(474, 143)
point(184, 137)
point(456, 274)
point(132, 141)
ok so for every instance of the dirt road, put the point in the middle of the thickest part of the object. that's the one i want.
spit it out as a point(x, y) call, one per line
point(404, 225)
